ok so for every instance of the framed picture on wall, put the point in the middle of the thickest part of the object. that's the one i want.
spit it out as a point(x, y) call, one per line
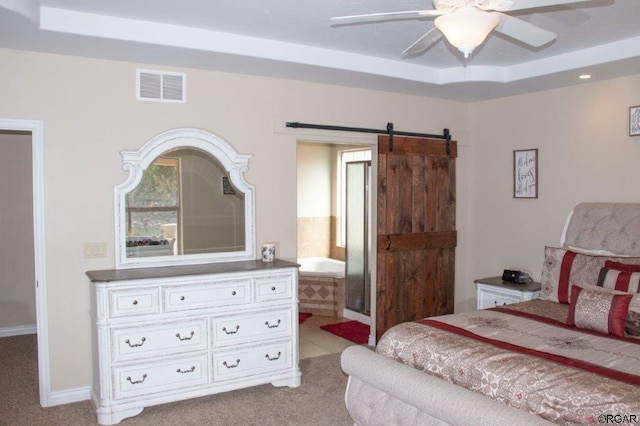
point(634, 121)
point(525, 173)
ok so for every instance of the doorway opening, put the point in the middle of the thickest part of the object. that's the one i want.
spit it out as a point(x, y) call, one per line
point(31, 132)
point(333, 238)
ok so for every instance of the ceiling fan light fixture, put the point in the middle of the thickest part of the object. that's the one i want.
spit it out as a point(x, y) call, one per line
point(467, 28)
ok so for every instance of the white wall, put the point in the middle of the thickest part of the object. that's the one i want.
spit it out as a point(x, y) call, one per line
point(17, 269)
point(585, 154)
point(315, 172)
point(89, 112)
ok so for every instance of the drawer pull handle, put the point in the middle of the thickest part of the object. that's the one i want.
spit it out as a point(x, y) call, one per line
point(495, 302)
point(136, 345)
point(231, 366)
point(273, 288)
point(191, 370)
point(135, 302)
point(233, 293)
point(137, 382)
point(181, 297)
point(231, 331)
point(274, 358)
point(185, 338)
point(272, 326)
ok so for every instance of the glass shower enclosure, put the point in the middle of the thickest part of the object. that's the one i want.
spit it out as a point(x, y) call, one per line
point(357, 244)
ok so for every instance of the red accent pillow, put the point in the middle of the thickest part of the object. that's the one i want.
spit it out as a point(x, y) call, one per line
point(627, 267)
point(598, 310)
point(615, 279)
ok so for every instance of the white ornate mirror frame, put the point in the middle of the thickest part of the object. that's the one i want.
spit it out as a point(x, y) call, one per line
point(136, 162)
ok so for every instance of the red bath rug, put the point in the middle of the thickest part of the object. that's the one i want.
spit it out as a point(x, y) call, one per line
point(354, 331)
point(302, 316)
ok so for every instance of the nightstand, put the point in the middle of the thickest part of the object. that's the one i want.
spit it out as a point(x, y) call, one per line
point(492, 292)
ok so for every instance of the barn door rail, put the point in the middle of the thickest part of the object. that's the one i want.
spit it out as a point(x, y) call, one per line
point(446, 135)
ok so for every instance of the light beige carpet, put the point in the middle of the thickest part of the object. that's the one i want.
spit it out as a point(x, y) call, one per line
point(318, 401)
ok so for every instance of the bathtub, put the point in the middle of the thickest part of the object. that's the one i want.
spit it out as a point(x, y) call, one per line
point(321, 267)
point(321, 286)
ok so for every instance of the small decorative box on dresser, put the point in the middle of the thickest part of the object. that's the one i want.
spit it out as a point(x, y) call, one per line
point(171, 333)
point(492, 292)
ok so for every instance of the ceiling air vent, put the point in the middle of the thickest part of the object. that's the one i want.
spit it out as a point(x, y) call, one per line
point(161, 86)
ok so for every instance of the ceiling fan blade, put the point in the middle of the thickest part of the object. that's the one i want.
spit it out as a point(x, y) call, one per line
point(530, 4)
point(424, 42)
point(407, 14)
point(523, 31)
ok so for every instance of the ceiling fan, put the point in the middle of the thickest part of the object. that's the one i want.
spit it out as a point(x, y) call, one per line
point(467, 23)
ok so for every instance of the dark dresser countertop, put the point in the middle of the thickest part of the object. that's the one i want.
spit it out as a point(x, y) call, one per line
point(108, 275)
point(497, 281)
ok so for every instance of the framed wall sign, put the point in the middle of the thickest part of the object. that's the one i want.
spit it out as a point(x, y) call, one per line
point(634, 121)
point(525, 173)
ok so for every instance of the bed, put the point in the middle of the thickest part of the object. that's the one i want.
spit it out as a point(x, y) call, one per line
point(570, 357)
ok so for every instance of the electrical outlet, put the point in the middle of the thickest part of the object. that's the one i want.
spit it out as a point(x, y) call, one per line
point(92, 250)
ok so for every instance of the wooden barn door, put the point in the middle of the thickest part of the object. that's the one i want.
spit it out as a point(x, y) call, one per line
point(416, 230)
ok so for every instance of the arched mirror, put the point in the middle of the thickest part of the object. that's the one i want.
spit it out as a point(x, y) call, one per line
point(185, 202)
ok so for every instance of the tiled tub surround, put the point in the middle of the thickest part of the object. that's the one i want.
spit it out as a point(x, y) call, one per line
point(321, 286)
point(317, 238)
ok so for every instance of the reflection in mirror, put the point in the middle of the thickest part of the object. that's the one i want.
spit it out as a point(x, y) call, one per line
point(185, 202)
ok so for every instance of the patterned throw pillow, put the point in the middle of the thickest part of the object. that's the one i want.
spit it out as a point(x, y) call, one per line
point(632, 325)
point(619, 280)
point(599, 311)
point(563, 268)
point(622, 266)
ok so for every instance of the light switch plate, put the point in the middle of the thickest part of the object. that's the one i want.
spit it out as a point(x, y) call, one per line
point(92, 250)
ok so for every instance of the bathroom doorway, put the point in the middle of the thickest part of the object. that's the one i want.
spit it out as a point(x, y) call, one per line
point(330, 174)
point(322, 223)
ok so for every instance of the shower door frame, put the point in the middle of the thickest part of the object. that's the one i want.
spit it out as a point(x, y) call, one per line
point(366, 237)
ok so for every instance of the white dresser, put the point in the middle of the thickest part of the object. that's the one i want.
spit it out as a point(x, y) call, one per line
point(171, 333)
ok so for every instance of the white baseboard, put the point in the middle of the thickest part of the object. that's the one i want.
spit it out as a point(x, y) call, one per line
point(68, 396)
point(372, 340)
point(18, 331)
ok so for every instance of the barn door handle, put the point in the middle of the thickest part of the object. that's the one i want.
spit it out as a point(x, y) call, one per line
point(388, 242)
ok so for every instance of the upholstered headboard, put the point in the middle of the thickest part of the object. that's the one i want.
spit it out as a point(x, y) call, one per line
point(614, 227)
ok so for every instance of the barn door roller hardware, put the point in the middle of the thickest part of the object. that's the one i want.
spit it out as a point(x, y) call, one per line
point(389, 131)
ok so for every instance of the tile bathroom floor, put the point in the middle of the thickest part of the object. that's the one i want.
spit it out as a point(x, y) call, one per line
point(316, 342)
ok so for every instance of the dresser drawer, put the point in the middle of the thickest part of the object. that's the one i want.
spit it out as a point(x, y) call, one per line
point(159, 339)
point(260, 359)
point(147, 378)
point(492, 299)
point(251, 327)
point(274, 287)
point(140, 301)
point(207, 295)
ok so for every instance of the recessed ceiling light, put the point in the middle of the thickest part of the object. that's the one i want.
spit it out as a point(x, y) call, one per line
point(584, 76)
